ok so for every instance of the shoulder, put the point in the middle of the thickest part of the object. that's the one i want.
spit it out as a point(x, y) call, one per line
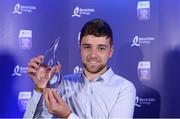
point(123, 82)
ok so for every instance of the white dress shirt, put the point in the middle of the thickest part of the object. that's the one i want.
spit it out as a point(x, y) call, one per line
point(109, 96)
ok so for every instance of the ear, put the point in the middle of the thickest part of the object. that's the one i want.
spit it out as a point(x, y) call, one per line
point(111, 52)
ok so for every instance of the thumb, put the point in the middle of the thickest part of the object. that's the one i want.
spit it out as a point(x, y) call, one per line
point(54, 70)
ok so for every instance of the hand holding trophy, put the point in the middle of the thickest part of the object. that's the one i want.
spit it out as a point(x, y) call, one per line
point(51, 65)
point(45, 70)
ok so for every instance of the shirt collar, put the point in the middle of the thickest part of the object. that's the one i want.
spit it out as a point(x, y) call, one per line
point(105, 76)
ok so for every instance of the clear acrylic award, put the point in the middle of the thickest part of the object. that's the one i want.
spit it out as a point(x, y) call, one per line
point(50, 60)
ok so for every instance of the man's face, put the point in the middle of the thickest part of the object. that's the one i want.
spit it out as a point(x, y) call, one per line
point(95, 53)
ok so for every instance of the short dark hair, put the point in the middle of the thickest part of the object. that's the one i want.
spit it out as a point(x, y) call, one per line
point(98, 28)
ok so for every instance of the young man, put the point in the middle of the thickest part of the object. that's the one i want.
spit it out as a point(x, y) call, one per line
point(97, 92)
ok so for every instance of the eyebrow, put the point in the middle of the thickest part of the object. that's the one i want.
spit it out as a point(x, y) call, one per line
point(86, 44)
point(100, 45)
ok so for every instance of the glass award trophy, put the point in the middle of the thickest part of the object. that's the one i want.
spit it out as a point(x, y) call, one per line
point(50, 60)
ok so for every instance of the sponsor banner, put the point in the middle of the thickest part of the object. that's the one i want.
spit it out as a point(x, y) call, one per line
point(20, 9)
point(143, 10)
point(19, 70)
point(23, 100)
point(140, 101)
point(144, 70)
point(79, 12)
point(138, 41)
point(78, 69)
point(25, 39)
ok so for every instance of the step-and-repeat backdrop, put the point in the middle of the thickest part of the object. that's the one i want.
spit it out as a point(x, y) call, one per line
point(146, 42)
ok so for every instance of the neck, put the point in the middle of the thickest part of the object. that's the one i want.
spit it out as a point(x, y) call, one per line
point(93, 76)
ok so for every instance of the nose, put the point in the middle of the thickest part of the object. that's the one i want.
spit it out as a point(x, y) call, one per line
point(94, 52)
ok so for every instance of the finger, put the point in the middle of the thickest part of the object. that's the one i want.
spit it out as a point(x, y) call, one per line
point(54, 70)
point(51, 98)
point(36, 61)
point(57, 97)
point(58, 67)
point(45, 96)
point(34, 65)
point(40, 57)
point(42, 74)
point(31, 70)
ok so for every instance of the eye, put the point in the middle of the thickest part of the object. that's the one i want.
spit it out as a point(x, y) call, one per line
point(87, 47)
point(102, 48)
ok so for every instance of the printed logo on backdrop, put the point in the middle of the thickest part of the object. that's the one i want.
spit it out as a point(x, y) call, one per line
point(143, 10)
point(25, 39)
point(144, 70)
point(140, 101)
point(78, 69)
point(138, 41)
point(19, 9)
point(78, 12)
point(23, 100)
point(19, 70)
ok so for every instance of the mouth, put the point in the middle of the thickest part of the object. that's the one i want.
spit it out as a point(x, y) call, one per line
point(93, 62)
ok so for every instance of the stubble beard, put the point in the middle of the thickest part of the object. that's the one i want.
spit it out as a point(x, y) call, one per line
point(94, 69)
